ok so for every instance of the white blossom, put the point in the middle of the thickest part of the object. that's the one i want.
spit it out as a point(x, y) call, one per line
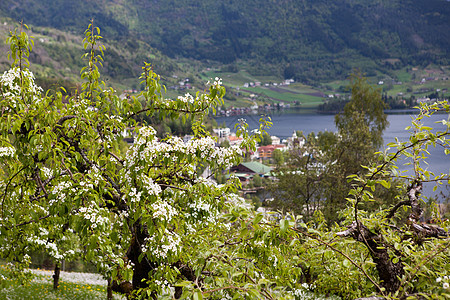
point(10, 86)
point(160, 248)
point(60, 191)
point(163, 210)
point(7, 151)
point(48, 173)
point(94, 216)
point(217, 81)
point(135, 196)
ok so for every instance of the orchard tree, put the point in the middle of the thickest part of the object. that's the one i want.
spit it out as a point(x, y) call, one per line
point(405, 251)
point(134, 213)
point(389, 252)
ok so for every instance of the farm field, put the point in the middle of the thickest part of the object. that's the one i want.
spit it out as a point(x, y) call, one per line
point(247, 89)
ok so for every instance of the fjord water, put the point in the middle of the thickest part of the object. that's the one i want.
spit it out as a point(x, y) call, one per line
point(285, 123)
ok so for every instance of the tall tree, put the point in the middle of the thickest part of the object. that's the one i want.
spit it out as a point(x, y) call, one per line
point(317, 172)
point(360, 128)
point(361, 124)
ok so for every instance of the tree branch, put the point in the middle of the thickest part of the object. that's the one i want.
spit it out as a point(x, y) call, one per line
point(397, 206)
point(6, 188)
point(348, 232)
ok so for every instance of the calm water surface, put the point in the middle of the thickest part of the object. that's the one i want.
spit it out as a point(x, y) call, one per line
point(284, 124)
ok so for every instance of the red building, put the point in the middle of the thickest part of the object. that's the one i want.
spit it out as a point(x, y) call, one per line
point(265, 152)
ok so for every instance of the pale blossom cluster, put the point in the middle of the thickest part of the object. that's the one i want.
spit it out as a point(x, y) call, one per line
point(204, 145)
point(163, 210)
point(224, 156)
point(200, 209)
point(217, 82)
point(84, 186)
point(114, 117)
point(444, 280)
point(60, 191)
point(10, 86)
point(94, 216)
point(150, 186)
point(187, 98)
point(78, 103)
point(305, 294)
point(160, 248)
point(184, 102)
point(206, 181)
point(20, 193)
point(121, 217)
point(7, 151)
point(134, 195)
point(51, 247)
point(48, 173)
point(148, 149)
point(167, 289)
point(235, 200)
point(147, 131)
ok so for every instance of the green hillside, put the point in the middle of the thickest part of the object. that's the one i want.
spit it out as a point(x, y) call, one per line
point(307, 40)
point(317, 43)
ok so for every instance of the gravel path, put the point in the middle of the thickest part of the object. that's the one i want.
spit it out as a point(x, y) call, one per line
point(75, 277)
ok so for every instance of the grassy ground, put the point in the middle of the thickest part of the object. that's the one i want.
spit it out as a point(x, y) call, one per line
point(44, 290)
point(72, 286)
point(76, 286)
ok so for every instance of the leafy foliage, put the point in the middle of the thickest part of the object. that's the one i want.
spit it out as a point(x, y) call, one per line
point(158, 229)
point(315, 176)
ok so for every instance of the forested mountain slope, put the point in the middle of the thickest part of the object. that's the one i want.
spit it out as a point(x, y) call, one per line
point(309, 40)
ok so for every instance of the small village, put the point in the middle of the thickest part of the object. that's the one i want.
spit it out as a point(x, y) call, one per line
point(258, 162)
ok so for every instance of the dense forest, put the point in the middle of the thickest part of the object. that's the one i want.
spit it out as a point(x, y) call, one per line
point(306, 40)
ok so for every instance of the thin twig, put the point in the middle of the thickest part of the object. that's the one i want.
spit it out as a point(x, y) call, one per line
point(6, 188)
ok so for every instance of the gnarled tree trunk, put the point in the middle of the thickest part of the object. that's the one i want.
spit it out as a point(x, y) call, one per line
point(388, 271)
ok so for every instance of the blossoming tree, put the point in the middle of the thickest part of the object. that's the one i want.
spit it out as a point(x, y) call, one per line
point(63, 173)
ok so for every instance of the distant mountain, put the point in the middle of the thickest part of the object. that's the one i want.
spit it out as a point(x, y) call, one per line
point(310, 40)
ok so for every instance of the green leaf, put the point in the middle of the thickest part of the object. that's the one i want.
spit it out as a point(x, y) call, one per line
point(257, 219)
point(254, 293)
point(284, 225)
point(41, 155)
point(198, 296)
point(346, 263)
point(386, 184)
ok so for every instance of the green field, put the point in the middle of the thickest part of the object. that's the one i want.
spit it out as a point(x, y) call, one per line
point(32, 286)
point(311, 97)
point(271, 94)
